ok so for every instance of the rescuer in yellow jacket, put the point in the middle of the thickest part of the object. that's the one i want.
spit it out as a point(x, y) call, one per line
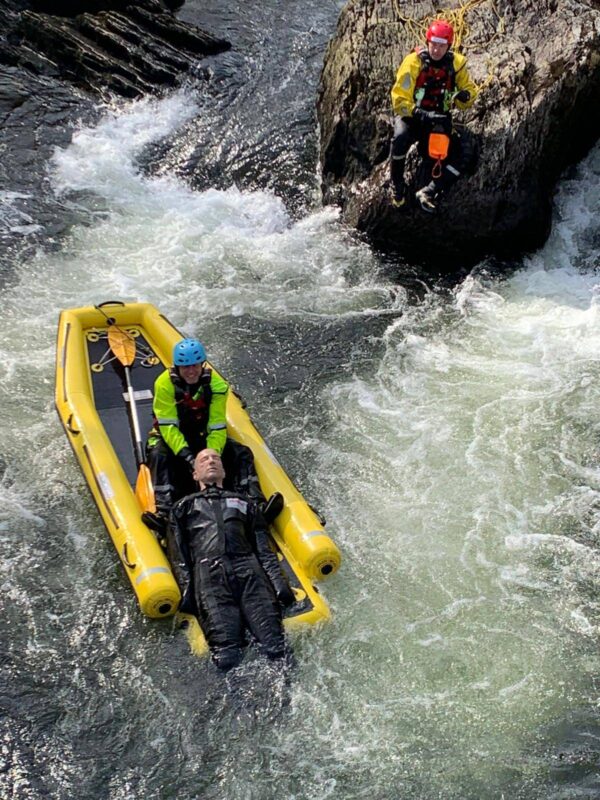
point(189, 408)
point(428, 82)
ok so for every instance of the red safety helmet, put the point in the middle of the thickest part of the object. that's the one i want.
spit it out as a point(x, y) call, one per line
point(441, 32)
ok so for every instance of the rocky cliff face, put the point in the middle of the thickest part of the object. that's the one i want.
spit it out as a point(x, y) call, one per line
point(539, 62)
point(130, 48)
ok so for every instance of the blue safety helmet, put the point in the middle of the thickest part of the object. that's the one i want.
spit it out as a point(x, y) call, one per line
point(188, 352)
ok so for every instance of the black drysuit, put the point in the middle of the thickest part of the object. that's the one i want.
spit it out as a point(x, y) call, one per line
point(219, 550)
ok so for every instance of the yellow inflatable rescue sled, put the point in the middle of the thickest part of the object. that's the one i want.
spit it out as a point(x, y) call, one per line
point(107, 359)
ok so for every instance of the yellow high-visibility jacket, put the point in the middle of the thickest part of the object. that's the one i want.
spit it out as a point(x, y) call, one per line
point(174, 421)
point(405, 87)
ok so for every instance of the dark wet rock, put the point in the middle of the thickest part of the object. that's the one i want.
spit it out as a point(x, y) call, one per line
point(536, 116)
point(36, 116)
point(129, 48)
point(71, 8)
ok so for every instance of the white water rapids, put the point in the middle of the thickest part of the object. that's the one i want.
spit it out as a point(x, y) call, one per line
point(453, 449)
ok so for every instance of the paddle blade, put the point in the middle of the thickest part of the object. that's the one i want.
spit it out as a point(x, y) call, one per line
point(122, 344)
point(144, 491)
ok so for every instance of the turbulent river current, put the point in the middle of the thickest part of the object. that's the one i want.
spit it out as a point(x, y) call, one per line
point(450, 438)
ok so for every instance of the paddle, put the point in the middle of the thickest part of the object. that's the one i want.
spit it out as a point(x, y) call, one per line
point(122, 345)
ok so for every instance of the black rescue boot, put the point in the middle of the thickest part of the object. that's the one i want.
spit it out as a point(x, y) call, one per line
point(399, 197)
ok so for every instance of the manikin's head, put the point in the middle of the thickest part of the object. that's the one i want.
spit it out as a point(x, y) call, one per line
point(208, 468)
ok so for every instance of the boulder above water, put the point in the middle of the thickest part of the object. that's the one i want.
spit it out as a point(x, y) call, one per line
point(538, 62)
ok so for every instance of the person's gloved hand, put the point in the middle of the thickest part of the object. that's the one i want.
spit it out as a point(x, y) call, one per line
point(188, 457)
point(286, 596)
point(420, 113)
point(463, 96)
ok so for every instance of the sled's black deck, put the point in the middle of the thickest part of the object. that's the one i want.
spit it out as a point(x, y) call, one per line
point(110, 389)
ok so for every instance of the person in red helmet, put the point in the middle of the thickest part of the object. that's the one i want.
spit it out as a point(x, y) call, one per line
point(428, 82)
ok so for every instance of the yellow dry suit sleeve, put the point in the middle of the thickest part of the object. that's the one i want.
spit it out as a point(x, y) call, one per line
point(463, 81)
point(165, 411)
point(403, 101)
point(217, 414)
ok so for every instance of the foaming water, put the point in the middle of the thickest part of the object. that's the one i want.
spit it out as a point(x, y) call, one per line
point(475, 447)
point(216, 252)
point(454, 454)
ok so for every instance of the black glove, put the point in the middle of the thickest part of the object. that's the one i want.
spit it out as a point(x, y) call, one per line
point(420, 113)
point(463, 96)
point(285, 596)
point(188, 457)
